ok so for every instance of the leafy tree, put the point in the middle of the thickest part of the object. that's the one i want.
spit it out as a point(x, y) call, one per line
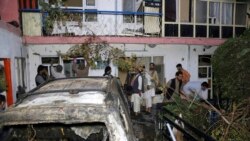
point(231, 65)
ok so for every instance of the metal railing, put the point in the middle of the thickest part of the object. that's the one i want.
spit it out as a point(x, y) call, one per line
point(189, 132)
point(77, 22)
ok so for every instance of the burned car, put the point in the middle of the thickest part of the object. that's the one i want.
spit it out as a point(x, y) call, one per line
point(70, 109)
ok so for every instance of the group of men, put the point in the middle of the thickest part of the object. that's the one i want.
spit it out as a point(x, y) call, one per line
point(183, 87)
point(42, 76)
point(145, 83)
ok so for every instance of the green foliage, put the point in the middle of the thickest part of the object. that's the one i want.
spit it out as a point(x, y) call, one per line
point(231, 65)
point(239, 128)
point(94, 50)
point(54, 15)
point(126, 64)
point(193, 114)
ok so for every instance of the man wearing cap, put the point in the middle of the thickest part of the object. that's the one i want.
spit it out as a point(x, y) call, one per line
point(136, 84)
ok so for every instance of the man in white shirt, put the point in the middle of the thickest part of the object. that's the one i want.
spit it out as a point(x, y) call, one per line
point(137, 91)
point(149, 90)
point(196, 90)
point(57, 72)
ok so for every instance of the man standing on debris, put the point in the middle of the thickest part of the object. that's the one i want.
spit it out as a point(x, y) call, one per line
point(56, 72)
point(136, 84)
point(42, 75)
point(154, 75)
point(174, 85)
point(185, 73)
point(196, 90)
point(82, 70)
point(148, 90)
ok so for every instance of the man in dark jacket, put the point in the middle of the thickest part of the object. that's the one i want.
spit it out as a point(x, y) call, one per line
point(174, 85)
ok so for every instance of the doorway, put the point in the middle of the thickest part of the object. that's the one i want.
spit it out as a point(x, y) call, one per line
point(5, 80)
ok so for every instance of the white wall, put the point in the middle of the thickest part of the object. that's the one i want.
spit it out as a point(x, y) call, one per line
point(106, 24)
point(38, 51)
point(187, 55)
point(11, 47)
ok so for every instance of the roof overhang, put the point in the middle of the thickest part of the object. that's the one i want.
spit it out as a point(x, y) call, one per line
point(123, 40)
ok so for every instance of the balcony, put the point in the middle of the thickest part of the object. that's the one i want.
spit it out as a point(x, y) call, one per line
point(74, 22)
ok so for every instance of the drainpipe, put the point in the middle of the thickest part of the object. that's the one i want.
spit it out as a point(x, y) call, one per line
point(115, 17)
point(163, 19)
point(188, 60)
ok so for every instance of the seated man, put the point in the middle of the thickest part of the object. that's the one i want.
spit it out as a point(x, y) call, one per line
point(196, 90)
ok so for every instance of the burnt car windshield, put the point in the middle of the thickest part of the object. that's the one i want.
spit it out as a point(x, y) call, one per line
point(56, 132)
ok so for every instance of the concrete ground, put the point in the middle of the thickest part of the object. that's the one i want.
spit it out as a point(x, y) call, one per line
point(145, 125)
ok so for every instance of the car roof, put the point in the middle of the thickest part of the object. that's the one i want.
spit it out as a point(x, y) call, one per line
point(70, 84)
point(69, 93)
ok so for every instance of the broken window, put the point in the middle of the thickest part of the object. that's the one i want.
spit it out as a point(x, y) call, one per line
point(56, 132)
point(128, 18)
point(91, 17)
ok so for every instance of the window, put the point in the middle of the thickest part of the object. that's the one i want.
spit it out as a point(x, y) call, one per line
point(46, 61)
point(186, 11)
point(91, 17)
point(170, 13)
point(240, 14)
point(201, 11)
point(227, 13)
point(128, 18)
point(214, 13)
point(101, 64)
point(213, 18)
point(90, 2)
point(67, 66)
point(73, 3)
point(205, 71)
point(204, 66)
